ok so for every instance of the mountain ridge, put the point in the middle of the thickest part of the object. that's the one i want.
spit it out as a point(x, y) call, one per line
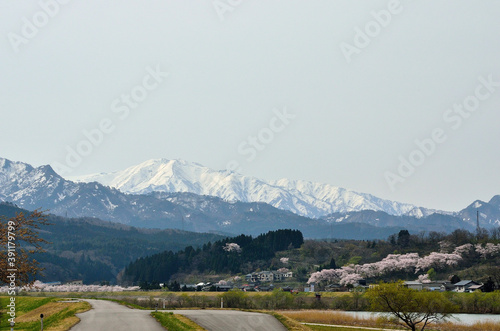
point(42, 188)
point(301, 197)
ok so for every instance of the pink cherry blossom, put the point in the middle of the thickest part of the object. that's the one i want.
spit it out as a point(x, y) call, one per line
point(232, 247)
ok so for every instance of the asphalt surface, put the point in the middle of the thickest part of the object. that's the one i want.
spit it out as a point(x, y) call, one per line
point(111, 316)
point(232, 320)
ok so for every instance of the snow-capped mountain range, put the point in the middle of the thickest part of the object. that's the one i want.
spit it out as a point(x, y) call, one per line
point(300, 197)
point(360, 216)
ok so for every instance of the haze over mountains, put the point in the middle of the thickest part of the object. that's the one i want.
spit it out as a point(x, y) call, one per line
point(178, 194)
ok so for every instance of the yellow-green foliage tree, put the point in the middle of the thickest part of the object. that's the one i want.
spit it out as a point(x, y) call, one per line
point(19, 240)
point(409, 308)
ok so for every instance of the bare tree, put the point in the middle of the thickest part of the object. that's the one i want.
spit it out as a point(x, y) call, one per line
point(19, 239)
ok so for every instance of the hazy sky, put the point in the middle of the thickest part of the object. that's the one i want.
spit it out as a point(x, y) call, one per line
point(329, 91)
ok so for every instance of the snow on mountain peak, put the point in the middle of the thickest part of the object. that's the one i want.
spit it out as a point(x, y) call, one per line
point(298, 196)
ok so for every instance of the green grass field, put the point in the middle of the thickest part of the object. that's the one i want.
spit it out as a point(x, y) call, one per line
point(58, 316)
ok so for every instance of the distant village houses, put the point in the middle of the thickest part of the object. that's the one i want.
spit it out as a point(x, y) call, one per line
point(464, 286)
point(268, 276)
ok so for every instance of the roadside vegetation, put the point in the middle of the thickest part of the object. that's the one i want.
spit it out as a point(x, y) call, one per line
point(468, 303)
point(58, 316)
point(174, 322)
point(289, 323)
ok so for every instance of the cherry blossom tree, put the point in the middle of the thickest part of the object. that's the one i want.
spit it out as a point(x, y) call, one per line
point(464, 249)
point(232, 247)
point(488, 250)
point(284, 260)
point(38, 286)
point(350, 279)
point(437, 260)
point(410, 262)
point(424, 279)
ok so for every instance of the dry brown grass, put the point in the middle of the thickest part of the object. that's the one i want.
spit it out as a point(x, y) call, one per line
point(339, 318)
point(330, 317)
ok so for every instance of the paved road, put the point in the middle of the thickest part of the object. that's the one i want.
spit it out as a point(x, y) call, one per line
point(232, 320)
point(111, 316)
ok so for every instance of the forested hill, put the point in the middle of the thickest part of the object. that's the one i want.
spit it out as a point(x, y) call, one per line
point(94, 250)
point(223, 256)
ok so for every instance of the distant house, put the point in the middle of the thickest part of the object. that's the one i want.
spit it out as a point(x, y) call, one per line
point(268, 276)
point(334, 288)
point(436, 285)
point(358, 287)
point(253, 277)
point(464, 285)
point(475, 288)
point(447, 287)
point(74, 282)
point(278, 276)
point(414, 285)
point(310, 288)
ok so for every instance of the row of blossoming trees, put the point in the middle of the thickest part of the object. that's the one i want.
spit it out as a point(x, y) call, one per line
point(409, 263)
point(39, 286)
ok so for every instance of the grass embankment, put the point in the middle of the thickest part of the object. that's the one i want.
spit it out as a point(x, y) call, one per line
point(58, 316)
point(176, 322)
point(339, 318)
point(289, 323)
point(333, 318)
